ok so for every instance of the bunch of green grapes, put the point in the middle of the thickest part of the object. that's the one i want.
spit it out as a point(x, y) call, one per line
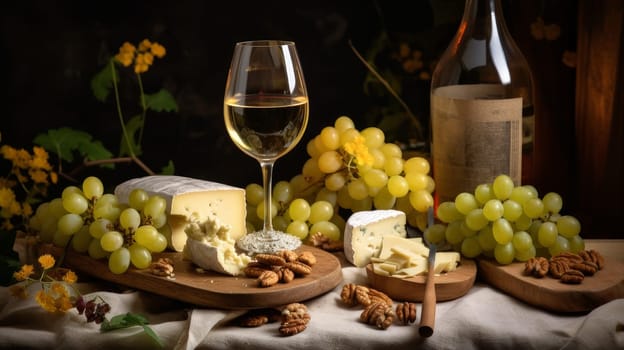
point(352, 170)
point(507, 222)
point(97, 224)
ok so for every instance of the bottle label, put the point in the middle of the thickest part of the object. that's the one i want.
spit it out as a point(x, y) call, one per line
point(477, 135)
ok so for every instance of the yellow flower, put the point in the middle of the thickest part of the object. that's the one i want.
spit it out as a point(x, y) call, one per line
point(140, 68)
point(18, 290)
point(15, 209)
point(148, 58)
point(70, 277)
point(7, 196)
point(26, 210)
point(158, 50)
point(358, 149)
point(45, 300)
point(127, 48)
point(145, 45)
point(22, 159)
point(23, 273)
point(54, 177)
point(47, 261)
point(8, 152)
point(38, 175)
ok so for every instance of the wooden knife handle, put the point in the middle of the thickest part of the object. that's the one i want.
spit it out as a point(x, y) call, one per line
point(427, 315)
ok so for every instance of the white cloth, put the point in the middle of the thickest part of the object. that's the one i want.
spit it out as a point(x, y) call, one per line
point(485, 318)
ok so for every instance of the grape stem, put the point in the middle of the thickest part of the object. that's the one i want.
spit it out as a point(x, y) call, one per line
point(89, 163)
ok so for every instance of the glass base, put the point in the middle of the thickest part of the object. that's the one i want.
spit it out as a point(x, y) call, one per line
point(267, 242)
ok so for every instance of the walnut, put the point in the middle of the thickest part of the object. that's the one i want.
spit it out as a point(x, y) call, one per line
point(347, 295)
point(299, 268)
point(353, 294)
point(295, 318)
point(572, 277)
point(571, 257)
point(376, 295)
point(258, 317)
point(307, 258)
point(558, 267)
point(162, 267)
point(270, 259)
point(267, 278)
point(319, 240)
point(588, 268)
point(284, 274)
point(293, 327)
point(254, 271)
point(537, 267)
point(378, 314)
point(288, 255)
point(593, 256)
point(406, 312)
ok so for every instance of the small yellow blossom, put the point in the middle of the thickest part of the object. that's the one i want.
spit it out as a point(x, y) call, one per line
point(18, 290)
point(54, 177)
point(7, 196)
point(145, 45)
point(38, 176)
point(358, 149)
point(8, 152)
point(24, 272)
point(15, 209)
point(127, 48)
point(22, 159)
point(70, 277)
point(27, 210)
point(47, 261)
point(158, 50)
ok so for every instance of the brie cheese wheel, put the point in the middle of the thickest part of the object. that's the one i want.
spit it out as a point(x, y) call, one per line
point(364, 231)
point(186, 196)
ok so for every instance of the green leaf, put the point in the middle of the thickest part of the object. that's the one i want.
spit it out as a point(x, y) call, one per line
point(130, 320)
point(169, 169)
point(102, 82)
point(153, 335)
point(161, 101)
point(64, 142)
point(132, 127)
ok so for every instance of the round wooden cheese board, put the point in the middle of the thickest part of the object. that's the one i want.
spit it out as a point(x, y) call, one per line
point(448, 286)
point(211, 289)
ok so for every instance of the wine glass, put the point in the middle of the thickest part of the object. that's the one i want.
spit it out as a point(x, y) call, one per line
point(266, 113)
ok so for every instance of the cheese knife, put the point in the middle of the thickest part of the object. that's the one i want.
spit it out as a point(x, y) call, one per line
point(427, 315)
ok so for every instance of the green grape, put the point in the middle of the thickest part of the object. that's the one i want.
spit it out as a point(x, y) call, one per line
point(344, 200)
point(130, 218)
point(81, 240)
point(561, 245)
point(522, 241)
point(99, 227)
point(69, 223)
point(95, 250)
point(348, 135)
point(378, 158)
point(319, 145)
point(520, 194)
point(137, 198)
point(512, 210)
point(320, 211)
point(140, 256)
point(475, 220)
point(435, 233)
point(362, 204)
point(502, 231)
point(298, 229)
point(493, 209)
point(311, 170)
point(524, 255)
point(329, 162)
point(343, 123)
point(483, 193)
point(447, 212)
point(327, 228)
point(339, 221)
point(155, 206)
point(330, 137)
point(470, 247)
point(92, 187)
point(504, 253)
point(577, 244)
point(69, 190)
point(327, 195)
point(398, 186)
point(552, 202)
point(119, 261)
point(421, 200)
point(311, 149)
point(282, 192)
point(392, 150)
point(547, 234)
point(384, 199)
point(430, 184)
point(453, 233)
point(254, 194)
point(568, 226)
point(111, 241)
point(357, 189)
point(159, 221)
point(403, 204)
point(335, 181)
point(465, 202)
point(106, 211)
point(523, 223)
point(417, 165)
point(502, 186)
point(393, 166)
point(75, 202)
point(375, 178)
point(48, 228)
point(299, 210)
point(107, 199)
point(273, 209)
point(533, 190)
point(60, 240)
point(467, 231)
point(373, 137)
point(416, 181)
point(56, 209)
point(417, 219)
point(280, 223)
point(158, 244)
point(144, 234)
point(486, 240)
point(533, 208)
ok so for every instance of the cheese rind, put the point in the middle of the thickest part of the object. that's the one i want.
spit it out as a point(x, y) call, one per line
point(185, 196)
point(364, 231)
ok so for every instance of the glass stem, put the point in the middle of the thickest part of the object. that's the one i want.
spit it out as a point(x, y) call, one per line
point(267, 174)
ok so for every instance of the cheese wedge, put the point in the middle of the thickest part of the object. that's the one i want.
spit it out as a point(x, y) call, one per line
point(185, 196)
point(364, 231)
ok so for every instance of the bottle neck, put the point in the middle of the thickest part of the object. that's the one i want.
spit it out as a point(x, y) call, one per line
point(484, 19)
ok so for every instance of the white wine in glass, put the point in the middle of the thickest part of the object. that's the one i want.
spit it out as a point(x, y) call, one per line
point(266, 113)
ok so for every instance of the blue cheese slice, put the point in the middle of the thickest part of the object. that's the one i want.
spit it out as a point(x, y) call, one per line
point(364, 231)
point(186, 196)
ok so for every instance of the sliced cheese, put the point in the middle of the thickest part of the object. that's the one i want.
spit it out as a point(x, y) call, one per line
point(210, 247)
point(364, 231)
point(185, 196)
point(446, 262)
point(414, 245)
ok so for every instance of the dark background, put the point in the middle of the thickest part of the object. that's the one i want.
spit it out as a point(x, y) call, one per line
point(49, 51)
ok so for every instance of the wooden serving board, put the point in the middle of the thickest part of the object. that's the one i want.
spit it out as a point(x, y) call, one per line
point(216, 290)
point(448, 286)
point(551, 294)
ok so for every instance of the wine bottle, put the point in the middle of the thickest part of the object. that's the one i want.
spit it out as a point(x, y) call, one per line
point(482, 119)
